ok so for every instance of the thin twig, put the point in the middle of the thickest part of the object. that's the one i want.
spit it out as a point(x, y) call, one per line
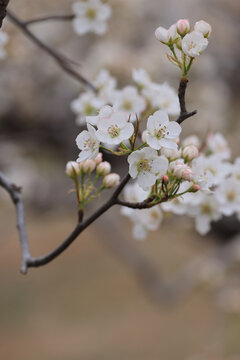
point(69, 17)
point(61, 60)
point(184, 114)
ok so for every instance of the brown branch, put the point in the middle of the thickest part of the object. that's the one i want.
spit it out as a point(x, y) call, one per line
point(69, 17)
point(184, 114)
point(61, 60)
point(3, 10)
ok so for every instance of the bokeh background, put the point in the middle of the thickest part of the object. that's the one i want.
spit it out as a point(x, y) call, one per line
point(88, 303)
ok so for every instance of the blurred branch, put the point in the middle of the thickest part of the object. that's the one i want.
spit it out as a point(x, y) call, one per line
point(184, 114)
point(3, 10)
point(65, 63)
point(69, 17)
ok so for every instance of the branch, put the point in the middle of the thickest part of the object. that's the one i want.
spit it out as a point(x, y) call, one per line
point(3, 10)
point(61, 60)
point(184, 114)
point(69, 17)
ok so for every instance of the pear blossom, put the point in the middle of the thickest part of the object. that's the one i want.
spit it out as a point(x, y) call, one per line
point(106, 84)
point(103, 168)
point(90, 16)
point(194, 43)
point(141, 78)
point(228, 195)
point(203, 27)
point(114, 129)
point(166, 36)
point(105, 113)
point(3, 42)
point(161, 132)
point(147, 166)
point(88, 143)
point(129, 101)
point(85, 105)
point(190, 152)
point(205, 212)
point(217, 144)
point(183, 27)
point(162, 96)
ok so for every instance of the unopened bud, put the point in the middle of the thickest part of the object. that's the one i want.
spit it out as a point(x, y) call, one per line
point(183, 27)
point(88, 165)
point(72, 169)
point(144, 134)
point(165, 179)
point(203, 27)
point(171, 154)
point(195, 188)
point(103, 168)
point(187, 174)
point(162, 35)
point(98, 159)
point(190, 152)
point(111, 180)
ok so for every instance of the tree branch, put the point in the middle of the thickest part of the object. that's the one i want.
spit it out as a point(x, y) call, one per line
point(69, 17)
point(184, 114)
point(3, 10)
point(61, 60)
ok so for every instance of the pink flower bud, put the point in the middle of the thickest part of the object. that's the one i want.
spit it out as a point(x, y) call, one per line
point(98, 159)
point(195, 188)
point(103, 168)
point(165, 179)
point(183, 27)
point(203, 27)
point(187, 174)
point(88, 165)
point(72, 169)
point(190, 152)
point(111, 180)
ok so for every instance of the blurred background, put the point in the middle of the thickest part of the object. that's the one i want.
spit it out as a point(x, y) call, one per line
point(88, 303)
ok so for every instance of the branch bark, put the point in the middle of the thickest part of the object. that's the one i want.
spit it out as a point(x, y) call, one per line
point(65, 63)
point(3, 10)
point(184, 114)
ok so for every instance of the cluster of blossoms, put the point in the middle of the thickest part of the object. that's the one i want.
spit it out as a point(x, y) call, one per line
point(183, 43)
point(90, 16)
point(135, 101)
point(3, 42)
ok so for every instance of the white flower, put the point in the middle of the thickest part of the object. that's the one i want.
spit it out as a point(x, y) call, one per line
point(106, 85)
point(114, 129)
point(218, 145)
point(147, 166)
point(210, 170)
point(166, 36)
point(85, 105)
point(206, 211)
point(3, 42)
point(161, 131)
point(203, 27)
point(141, 77)
point(194, 43)
point(163, 97)
point(179, 205)
point(129, 101)
point(228, 195)
point(88, 143)
point(183, 27)
point(105, 113)
point(90, 16)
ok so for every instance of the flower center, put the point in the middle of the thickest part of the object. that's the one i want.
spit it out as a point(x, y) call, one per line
point(127, 105)
point(160, 133)
point(231, 196)
point(91, 14)
point(88, 109)
point(143, 165)
point(206, 209)
point(113, 131)
point(192, 45)
point(89, 144)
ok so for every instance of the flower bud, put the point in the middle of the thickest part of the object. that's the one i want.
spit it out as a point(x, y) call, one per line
point(191, 140)
point(72, 169)
point(182, 171)
point(144, 134)
point(203, 27)
point(165, 179)
point(98, 159)
point(103, 168)
point(162, 35)
point(171, 154)
point(190, 152)
point(195, 188)
point(111, 180)
point(187, 174)
point(183, 27)
point(88, 166)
